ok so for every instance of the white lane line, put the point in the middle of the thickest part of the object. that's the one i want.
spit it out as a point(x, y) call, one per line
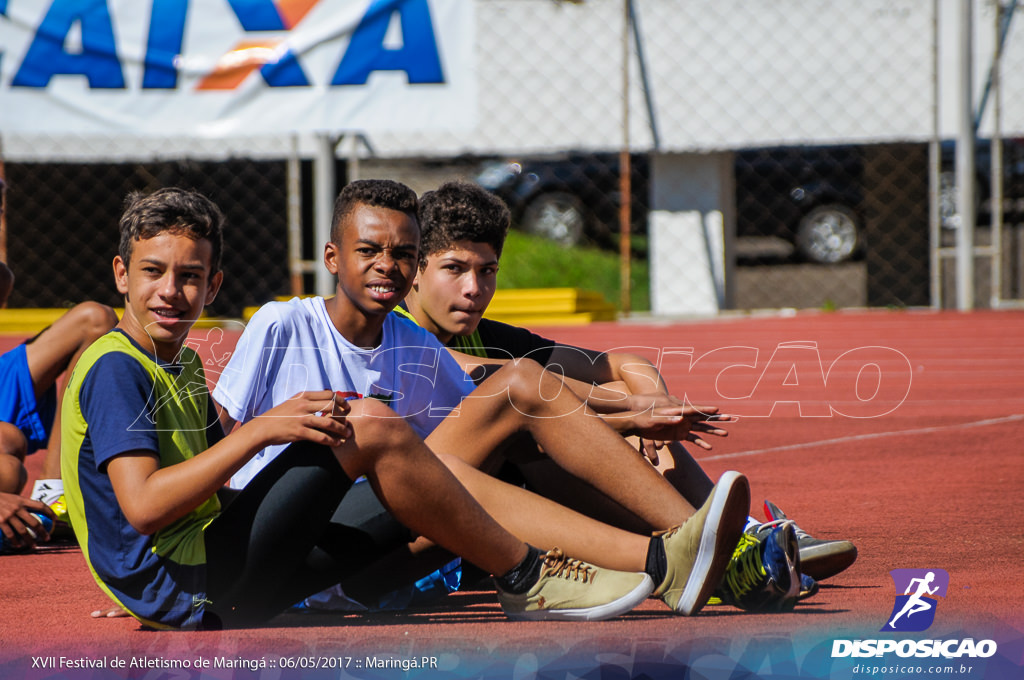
point(872, 435)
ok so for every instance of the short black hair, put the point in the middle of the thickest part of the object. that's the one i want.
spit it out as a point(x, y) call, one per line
point(380, 193)
point(174, 210)
point(461, 211)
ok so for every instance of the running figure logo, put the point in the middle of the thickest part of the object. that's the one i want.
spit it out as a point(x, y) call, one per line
point(914, 610)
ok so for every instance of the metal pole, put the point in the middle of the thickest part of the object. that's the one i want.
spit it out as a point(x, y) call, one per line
point(3, 204)
point(324, 189)
point(296, 266)
point(965, 164)
point(645, 81)
point(352, 157)
point(1003, 18)
point(996, 293)
point(935, 170)
point(625, 180)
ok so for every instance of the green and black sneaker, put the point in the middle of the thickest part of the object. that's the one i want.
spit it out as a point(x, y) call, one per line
point(764, 572)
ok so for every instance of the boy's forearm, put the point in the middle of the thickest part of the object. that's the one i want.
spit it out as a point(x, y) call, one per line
point(630, 375)
point(601, 398)
point(639, 374)
point(153, 497)
point(477, 368)
point(227, 423)
point(622, 421)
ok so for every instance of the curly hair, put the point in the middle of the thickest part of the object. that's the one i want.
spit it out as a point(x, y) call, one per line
point(174, 210)
point(461, 211)
point(381, 193)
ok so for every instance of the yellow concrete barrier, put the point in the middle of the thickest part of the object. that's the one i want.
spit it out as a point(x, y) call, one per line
point(536, 307)
point(550, 306)
point(31, 320)
point(28, 321)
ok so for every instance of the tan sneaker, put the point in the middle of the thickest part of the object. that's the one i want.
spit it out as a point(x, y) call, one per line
point(573, 590)
point(699, 551)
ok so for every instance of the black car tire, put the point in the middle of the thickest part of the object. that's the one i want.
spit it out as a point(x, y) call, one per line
point(558, 216)
point(828, 234)
point(949, 212)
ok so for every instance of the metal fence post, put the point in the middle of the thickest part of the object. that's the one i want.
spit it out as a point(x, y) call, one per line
point(625, 180)
point(324, 183)
point(965, 162)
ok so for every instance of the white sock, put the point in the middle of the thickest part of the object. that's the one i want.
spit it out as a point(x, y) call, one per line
point(48, 490)
point(751, 522)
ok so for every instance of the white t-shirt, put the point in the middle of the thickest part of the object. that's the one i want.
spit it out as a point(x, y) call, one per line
point(290, 347)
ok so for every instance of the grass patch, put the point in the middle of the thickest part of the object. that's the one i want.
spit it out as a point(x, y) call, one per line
point(532, 262)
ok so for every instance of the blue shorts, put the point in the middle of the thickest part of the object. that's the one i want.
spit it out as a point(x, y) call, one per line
point(18, 404)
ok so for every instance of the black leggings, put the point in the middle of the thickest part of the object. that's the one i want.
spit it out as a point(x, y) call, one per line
point(270, 547)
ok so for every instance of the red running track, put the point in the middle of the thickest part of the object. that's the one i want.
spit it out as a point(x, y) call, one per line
point(901, 431)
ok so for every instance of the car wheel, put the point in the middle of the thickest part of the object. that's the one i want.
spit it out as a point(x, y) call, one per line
point(949, 196)
point(949, 216)
point(828, 234)
point(558, 216)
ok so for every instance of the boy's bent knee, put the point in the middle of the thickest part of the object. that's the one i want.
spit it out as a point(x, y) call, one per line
point(375, 422)
point(520, 376)
point(94, 318)
point(371, 408)
point(13, 448)
point(12, 442)
point(379, 436)
point(530, 389)
point(13, 475)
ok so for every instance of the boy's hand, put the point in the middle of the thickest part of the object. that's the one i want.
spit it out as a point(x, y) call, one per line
point(115, 612)
point(659, 425)
point(317, 416)
point(20, 528)
point(652, 400)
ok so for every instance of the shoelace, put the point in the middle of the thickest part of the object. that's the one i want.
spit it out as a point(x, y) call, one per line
point(560, 566)
point(800, 533)
point(777, 517)
point(746, 568)
point(667, 533)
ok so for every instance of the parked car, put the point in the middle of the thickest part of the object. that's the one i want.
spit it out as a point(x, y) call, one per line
point(572, 198)
point(1013, 182)
point(809, 196)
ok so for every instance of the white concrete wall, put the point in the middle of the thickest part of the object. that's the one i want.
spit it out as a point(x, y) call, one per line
point(692, 229)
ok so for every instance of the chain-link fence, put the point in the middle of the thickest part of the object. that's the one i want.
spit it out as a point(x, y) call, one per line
point(785, 154)
point(63, 234)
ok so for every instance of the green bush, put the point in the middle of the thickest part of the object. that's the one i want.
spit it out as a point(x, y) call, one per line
point(534, 262)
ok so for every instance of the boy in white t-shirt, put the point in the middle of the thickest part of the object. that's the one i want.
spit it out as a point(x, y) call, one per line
point(293, 343)
point(350, 343)
point(462, 232)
